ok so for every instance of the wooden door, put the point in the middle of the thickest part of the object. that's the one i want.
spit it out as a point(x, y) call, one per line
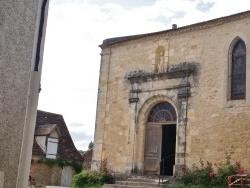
point(153, 149)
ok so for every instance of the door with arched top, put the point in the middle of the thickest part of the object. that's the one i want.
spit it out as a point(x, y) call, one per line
point(160, 140)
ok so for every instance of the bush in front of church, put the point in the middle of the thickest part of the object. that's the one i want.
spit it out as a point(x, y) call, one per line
point(210, 175)
point(89, 178)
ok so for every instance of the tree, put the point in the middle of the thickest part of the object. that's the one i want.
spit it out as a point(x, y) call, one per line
point(91, 145)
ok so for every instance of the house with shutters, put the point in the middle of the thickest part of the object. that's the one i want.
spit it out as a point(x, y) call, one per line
point(175, 97)
point(52, 140)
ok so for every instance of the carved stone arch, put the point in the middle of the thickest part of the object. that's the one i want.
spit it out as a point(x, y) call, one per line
point(148, 105)
point(141, 126)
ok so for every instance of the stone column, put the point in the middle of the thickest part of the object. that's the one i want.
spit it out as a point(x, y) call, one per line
point(182, 103)
point(102, 106)
point(131, 158)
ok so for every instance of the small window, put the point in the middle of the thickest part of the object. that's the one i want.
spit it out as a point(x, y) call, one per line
point(238, 71)
point(52, 145)
point(162, 112)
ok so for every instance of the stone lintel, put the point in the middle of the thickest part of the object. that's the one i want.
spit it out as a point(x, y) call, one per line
point(140, 77)
point(165, 88)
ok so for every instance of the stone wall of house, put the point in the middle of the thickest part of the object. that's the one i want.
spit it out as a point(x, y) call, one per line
point(87, 157)
point(47, 175)
point(19, 86)
point(208, 125)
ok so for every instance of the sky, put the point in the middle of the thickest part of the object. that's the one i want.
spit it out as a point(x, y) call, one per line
point(75, 28)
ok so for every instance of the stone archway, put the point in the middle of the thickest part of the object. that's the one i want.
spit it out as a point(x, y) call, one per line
point(160, 140)
point(179, 105)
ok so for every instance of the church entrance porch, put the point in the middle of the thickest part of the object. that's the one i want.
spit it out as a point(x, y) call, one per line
point(160, 142)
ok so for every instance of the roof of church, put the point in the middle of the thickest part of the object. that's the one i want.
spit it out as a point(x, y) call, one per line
point(188, 28)
point(44, 123)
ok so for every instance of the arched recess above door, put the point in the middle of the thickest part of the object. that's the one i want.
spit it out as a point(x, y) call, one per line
point(162, 112)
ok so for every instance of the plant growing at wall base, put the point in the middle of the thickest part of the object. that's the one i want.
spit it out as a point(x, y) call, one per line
point(210, 175)
point(77, 166)
point(88, 178)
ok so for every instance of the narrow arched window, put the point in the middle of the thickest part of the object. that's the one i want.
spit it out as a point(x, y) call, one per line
point(238, 71)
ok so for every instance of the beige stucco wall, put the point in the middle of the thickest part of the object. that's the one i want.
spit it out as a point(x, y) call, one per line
point(54, 134)
point(213, 125)
point(19, 86)
point(41, 142)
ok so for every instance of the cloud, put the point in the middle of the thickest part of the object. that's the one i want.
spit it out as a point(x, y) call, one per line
point(81, 140)
point(125, 4)
point(202, 6)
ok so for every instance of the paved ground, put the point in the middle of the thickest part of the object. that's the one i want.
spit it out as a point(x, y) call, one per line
point(48, 187)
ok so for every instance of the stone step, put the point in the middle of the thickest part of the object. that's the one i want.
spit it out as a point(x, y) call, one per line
point(138, 183)
point(124, 186)
point(147, 180)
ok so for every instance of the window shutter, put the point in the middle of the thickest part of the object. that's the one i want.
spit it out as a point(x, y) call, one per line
point(52, 145)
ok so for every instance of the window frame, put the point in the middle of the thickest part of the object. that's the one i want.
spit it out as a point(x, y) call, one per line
point(230, 69)
point(49, 156)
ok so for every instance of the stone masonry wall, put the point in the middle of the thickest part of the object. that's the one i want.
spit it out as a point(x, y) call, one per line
point(213, 124)
point(45, 175)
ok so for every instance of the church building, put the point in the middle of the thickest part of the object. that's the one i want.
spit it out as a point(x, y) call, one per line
point(175, 97)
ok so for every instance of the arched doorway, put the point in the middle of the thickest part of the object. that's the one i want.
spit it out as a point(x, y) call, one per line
point(160, 140)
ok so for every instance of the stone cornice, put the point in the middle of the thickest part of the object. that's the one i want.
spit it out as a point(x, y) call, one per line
point(145, 77)
point(181, 70)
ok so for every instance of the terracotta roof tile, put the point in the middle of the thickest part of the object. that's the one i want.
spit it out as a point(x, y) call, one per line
point(44, 129)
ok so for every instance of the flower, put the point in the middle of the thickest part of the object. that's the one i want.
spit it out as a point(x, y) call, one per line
point(183, 168)
point(212, 175)
point(241, 171)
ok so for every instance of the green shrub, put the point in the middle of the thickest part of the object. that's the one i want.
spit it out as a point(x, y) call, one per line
point(91, 178)
point(77, 166)
point(197, 176)
point(206, 174)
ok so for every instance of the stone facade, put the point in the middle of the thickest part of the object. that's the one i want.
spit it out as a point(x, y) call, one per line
point(87, 157)
point(193, 79)
point(22, 34)
point(45, 175)
point(51, 175)
point(52, 126)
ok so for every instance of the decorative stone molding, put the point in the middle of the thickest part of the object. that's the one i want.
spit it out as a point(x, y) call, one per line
point(133, 100)
point(181, 70)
